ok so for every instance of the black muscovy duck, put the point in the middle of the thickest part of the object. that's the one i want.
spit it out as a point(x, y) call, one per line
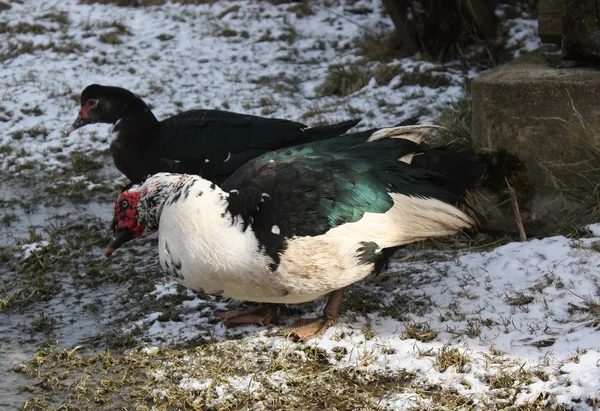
point(211, 143)
point(301, 223)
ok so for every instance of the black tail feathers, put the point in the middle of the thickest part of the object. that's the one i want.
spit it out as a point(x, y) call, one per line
point(457, 162)
point(330, 130)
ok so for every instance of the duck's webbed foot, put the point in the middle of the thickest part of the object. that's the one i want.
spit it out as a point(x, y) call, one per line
point(259, 316)
point(306, 328)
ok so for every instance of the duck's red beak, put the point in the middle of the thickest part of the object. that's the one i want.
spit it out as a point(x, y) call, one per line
point(82, 120)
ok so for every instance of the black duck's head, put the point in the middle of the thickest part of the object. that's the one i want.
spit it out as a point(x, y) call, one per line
point(102, 104)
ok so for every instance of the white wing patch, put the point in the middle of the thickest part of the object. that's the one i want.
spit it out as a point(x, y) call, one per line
point(413, 133)
point(275, 230)
point(114, 133)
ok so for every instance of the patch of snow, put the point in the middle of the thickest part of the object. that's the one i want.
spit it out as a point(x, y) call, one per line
point(197, 68)
point(150, 350)
point(29, 249)
point(194, 384)
point(522, 35)
point(518, 307)
point(164, 289)
point(595, 229)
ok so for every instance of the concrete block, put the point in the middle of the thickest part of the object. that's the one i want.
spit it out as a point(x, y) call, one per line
point(548, 121)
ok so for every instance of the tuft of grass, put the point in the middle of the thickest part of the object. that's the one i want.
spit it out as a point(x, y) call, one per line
point(8, 219)
point(426, 78)
point(290, 35)
point(165, 37)
point(33, 111)
point(578, 181)
point(43, 323)
point(420, 331)
point(316, 110)
point(301, 10)
point(519, 299)
point(386, 73)
point(60, 18)
point(6, 149)
point(229, 33)
point(456, 120)
point(382, 47)
point(266, 36)
point(25, 28)
point(451, 357)
point(31, 132)
point(232, 9)
point(69, 47)
point(446, 399)
point(5, 114)
point(15, 49)
point(82, 163)
point(117, 26)
point(345, 79)
point(110, 38)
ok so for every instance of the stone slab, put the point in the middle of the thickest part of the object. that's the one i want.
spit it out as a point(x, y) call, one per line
point(548, 119)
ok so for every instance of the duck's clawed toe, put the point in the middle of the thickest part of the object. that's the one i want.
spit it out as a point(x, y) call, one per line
point(257, 316)
point(306, 328)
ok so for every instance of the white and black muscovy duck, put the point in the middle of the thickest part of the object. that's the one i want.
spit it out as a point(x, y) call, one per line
point(301, 223)
point(211, 143)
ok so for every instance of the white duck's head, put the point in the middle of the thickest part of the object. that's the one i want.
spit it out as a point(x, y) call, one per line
point(138, 208)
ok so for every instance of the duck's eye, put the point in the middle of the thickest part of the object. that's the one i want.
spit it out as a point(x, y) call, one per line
point(124, 204)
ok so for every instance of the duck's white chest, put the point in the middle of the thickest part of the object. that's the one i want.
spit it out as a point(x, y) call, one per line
point(201, 248)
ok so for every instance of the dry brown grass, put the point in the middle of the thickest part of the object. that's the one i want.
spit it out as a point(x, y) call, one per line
point(345, 79)
point(382, 47)
point(109, 379)
point(578, 181)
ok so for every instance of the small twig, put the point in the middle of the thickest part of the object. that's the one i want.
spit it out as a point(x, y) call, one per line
point(515, 206)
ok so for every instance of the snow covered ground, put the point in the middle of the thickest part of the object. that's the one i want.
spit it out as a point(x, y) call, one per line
point(515, 326)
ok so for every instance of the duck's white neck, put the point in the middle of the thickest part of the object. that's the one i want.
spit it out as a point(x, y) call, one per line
point(155, 192)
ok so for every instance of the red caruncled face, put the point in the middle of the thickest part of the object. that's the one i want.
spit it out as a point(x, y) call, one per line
point(125, 217)
point(85, 108)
